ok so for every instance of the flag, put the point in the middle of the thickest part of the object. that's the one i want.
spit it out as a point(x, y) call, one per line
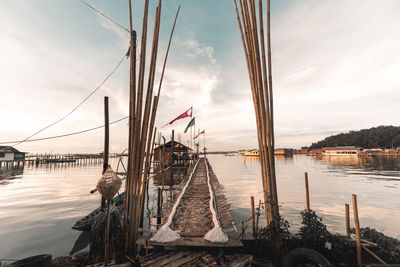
point(191, 123)
point(187, 113)
point(199, 134)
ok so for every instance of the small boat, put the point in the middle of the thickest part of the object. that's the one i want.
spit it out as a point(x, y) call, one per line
point(85, 223)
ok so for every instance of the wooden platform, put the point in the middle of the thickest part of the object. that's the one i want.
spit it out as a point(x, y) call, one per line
point(192, 242)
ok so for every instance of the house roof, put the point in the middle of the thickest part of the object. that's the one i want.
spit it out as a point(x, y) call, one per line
point(176, 144)
point(8, 149)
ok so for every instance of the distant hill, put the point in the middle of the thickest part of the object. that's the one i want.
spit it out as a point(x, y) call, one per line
point(381, 136)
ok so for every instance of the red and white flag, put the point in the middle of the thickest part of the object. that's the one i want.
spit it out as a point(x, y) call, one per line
point(199, 134)
point(187, 113)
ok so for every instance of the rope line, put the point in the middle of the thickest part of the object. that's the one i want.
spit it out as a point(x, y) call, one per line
point(65, 135)
point(104, 15)
point(83, 101)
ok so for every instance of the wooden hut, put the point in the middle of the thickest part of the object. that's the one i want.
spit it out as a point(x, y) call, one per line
point(9, 154)
point(181, 154)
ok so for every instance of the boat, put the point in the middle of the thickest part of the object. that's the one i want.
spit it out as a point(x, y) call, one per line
point(85, 223)
point(252, 152)
point(348, 151)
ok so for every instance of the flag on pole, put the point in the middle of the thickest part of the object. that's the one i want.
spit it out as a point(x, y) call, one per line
point(191, 123)
point(187, 113)
point(199, 134)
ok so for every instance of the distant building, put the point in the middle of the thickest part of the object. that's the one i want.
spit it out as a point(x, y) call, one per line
point(284, 151)
point(300, 151)
point(8, 153)
point(341, 151)
point(252, 152)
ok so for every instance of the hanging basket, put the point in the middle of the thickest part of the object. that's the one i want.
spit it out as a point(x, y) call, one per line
point(109, 184)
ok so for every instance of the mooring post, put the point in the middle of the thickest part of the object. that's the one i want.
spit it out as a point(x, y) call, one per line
point(106, 143)
point(307, 192)
point(357, 226)
point(253, 218)
point(347, 219)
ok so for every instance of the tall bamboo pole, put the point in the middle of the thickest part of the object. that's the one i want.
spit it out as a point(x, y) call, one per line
point(131, 141)
point(261, 86)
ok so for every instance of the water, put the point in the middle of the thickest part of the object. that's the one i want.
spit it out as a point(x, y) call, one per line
point(38, 205)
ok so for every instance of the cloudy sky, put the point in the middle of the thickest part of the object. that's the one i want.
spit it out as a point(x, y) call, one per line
point(335, 68)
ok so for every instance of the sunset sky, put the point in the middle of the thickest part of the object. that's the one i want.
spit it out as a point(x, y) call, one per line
point(335, 68)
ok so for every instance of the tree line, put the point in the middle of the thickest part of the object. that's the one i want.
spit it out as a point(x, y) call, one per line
point(376, 137)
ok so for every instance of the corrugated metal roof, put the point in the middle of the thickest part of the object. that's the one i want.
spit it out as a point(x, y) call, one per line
point(8, 149)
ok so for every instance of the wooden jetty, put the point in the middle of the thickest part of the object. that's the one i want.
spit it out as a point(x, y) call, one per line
point(192, 220)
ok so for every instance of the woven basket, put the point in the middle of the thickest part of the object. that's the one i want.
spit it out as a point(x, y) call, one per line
point(109, 184)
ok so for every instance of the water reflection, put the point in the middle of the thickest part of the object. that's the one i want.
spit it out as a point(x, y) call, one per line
point(7, 174)
point(332, 181)
point(39, 205)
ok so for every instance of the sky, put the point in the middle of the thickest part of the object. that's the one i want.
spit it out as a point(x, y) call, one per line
point(335, 69)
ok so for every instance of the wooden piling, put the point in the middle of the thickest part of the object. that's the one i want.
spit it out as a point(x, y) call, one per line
point(253, 219)
point(106, 143)
point(347, 219)
point(357, 227)
point(172, 159)
point(307, 192)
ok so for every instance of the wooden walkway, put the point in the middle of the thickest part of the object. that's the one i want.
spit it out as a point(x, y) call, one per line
point(193, 218)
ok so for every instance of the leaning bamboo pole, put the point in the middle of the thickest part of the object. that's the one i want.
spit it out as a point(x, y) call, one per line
point(141, 126)
point(261, 86)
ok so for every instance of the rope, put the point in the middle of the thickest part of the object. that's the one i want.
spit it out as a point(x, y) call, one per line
point(104, 15)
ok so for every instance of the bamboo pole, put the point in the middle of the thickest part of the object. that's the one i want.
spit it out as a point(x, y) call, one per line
point(347, 219)
point(357, 226)
point(375, 256)
point(131, 155)
point(145, 139)
point(307, 192)
point(253, 222)
point(262, 99)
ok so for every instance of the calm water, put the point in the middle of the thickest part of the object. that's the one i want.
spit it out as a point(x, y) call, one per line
point(39, 205)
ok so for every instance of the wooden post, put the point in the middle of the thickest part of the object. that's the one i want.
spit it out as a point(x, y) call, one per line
point(357, 226)
point(159, 207)
point(106, 143)
point(307, 192)
point(253, 221)
point(347, 219)
point(172, 160)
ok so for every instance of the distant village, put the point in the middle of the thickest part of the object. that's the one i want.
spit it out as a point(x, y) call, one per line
point(327, 151)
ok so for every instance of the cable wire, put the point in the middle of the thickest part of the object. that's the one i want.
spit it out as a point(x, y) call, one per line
point(104, 15)
point(83, 101)
point(65, 135)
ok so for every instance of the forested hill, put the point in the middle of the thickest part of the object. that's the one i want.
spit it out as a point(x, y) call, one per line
point(382, 137)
